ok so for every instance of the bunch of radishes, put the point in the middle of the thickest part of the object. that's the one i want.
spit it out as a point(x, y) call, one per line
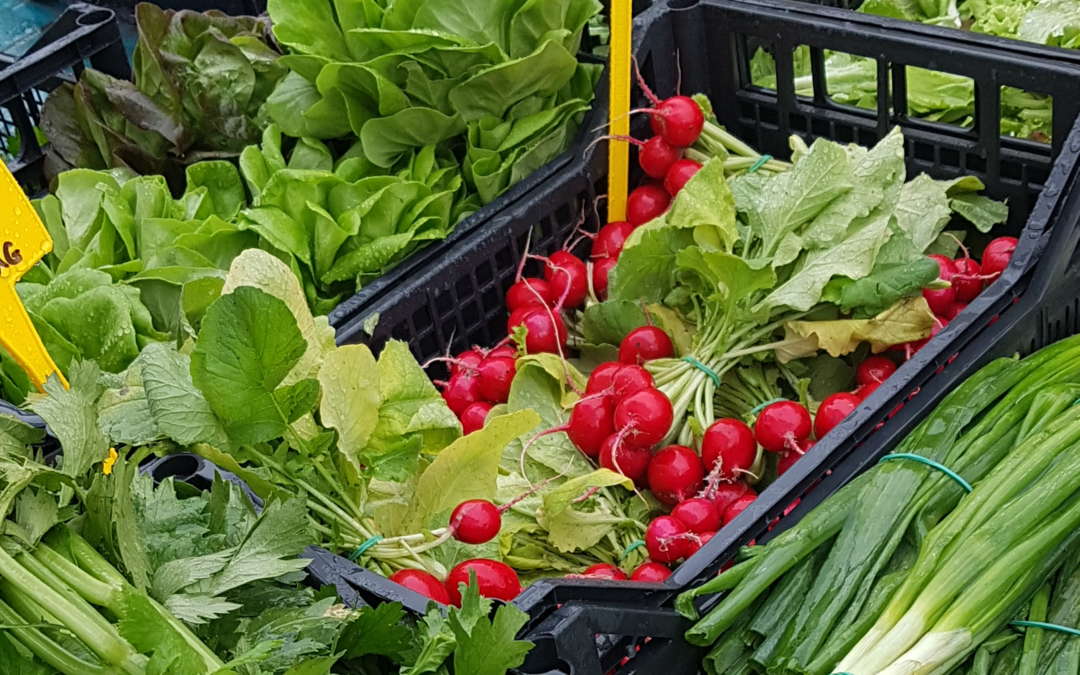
point(479, 380)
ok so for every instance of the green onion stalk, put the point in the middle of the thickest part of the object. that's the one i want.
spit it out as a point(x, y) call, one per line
point(895, 559)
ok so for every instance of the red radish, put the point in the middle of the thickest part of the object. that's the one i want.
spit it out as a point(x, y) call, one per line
point(605, 571)
point(502, 350)
point(610, 239)
point(423, 583)
point(473, 417)
point(601, 270)
point(494, 579)
point(874, 369)
point(940, 299)
point(602, 377)
point(630, 379)
point(786, 461)
point(545, 329)
point(645, 343)
point(568, 277)
point(698, 541)
point(645, 203)
point(678, 120)
point(678, 175)
point(726, 493)
point(833, 410)
point(865, 390)
point(655, 156)
point(955, 310)
point(738, 506)
point(946, 266)
point(698, 514)
point(996, 256)
point(968, 279)
point(731, 443)
point(462, 390)
point(675, 473)
point(475, 521)
point(665, 539)
point(496, 374)
point(466, 361)
point(621, 455)
point(530, 292)
point(650, 571)
point(590, 423)
point(782, 426)
point(647, 414)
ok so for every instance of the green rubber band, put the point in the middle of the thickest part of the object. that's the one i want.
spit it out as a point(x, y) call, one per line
point(633, 547)
point(364, 547)
point(703, 368)
point(762, 161)
point(761, 406)
point(1047, 626)
point(931, 463)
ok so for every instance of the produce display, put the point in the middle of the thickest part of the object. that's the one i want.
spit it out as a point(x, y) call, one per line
point(934, 562)
point(655, 375)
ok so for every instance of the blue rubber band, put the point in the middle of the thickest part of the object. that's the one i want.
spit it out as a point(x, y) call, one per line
point(364, 547)
point(633, 547)
point(1047, 626)
point(764, 159)
point(931, 463)
point(761, 406)
point(703, 368)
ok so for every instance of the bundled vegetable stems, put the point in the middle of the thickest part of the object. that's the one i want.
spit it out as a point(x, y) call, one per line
point(900, 571)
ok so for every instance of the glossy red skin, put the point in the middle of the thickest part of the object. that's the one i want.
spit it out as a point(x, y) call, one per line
point(590, 424)
point(494, 579)
point(568, 277)
point(610, 239)
point(630, 379)
point(786, 461)
point(522, 294)
point(996, 256)
point(946, 266)
point(833, 410)
point(675, 473)
point(955, 310)
point(648, 413)
point(679, 174)
point(665, 539)
point(940, 299)
point(782, 425)
point(546, 329)
point(864, 390)
point(496, 374)
point(466, 361)
point(605, 571)
point(738, 506)
point(732, 440)
point(968, 279)
point(474, 416)
point(462, 390)
point(602, 376)
point(655, 157)
point(874, 369)
point(423, 583)
point(601, 271)
point(700, 515)
point(698, 541)
point(645, 203)
point(726, 493)
point(503, 350)
point(633, 460)
point(475, 521)
point(678, 120)
point(653, 572)
point(645, 343)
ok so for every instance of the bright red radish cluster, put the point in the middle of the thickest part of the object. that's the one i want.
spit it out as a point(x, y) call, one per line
point(494, 579)
point(479, 380)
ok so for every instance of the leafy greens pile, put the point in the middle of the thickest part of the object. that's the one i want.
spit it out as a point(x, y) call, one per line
point(199, 83)
point(826, 255)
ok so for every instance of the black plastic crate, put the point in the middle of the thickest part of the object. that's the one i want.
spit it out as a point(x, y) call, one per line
point(233, 7)
point(83, 35)
point(457, 300)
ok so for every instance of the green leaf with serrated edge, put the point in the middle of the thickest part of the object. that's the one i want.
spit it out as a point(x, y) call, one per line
point(123, 410)
point(646, 270)
point(248, 344)
point(436, 644)
point(350, 397)
point(72, 417)
point(489, 647)
point(468, 467)
point(569, 525)
point(378, 630)
point(180, 411)
point(906, 321)
point(36, 512)
point(979, 210)
point(15, 435)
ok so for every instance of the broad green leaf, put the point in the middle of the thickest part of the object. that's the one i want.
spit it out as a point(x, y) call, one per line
point(907, 321)
point(536, 388)
point(350, 397)
point(180, 411)
point(570, 527)
point(610, 321)
point(646, 270)
point(979, 210)
point(123, 410)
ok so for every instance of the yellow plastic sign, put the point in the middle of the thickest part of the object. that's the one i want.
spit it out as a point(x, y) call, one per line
point(23, 241)
point(619, 108)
